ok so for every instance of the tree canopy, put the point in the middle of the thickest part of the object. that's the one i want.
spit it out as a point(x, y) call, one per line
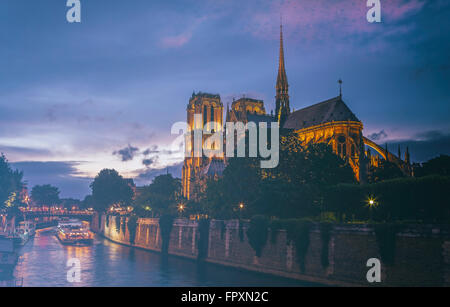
point(45, 195)
point(10, 183)
point(161, 197)
point(110, 188)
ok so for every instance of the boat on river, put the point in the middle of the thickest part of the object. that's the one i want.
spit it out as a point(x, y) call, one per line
point(74, 232)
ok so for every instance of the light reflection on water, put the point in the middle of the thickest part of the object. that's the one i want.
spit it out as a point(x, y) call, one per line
point(43, 263)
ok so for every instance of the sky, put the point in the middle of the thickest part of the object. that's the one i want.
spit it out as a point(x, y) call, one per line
point(104, 93)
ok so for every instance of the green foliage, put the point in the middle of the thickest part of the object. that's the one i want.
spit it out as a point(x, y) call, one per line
point(297, 231)
point(386, 238)
point(297, 186)
point(162, 195)
point(132, 224)
point(386, 170)
point(117, 221)
point(436, 166)
point(165, 225)
point(222, 229)
point(45, 195)
point(325, 235)
point(423, 198)
point(203, 229)
point(10, 183)
point(241, 231)
point(109, 188)
point(257, 233)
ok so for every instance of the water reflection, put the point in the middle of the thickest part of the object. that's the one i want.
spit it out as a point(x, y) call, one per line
point(43, 262)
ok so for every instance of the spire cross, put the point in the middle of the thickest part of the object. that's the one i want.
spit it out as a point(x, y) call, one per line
point(340, 87)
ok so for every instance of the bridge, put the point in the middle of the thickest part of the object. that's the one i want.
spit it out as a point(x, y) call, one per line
point(79, 214)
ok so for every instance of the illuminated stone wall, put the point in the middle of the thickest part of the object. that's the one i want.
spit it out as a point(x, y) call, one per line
point(422, 252)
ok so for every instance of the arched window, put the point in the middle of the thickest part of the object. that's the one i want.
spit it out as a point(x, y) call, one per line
point(205, 115)
point(212, 114)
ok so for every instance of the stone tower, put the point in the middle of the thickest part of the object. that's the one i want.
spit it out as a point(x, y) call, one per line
point(204, 112)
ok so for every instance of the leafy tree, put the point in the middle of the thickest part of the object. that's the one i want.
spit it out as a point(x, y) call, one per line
point(45, 195)
point(162, 195)
point(109, 188)
point(296, 188)
point(10, 183)
point(87, 202)
point(436, 166)
point(385, 171)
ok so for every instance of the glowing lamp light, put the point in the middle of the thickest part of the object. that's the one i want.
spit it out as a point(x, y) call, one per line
point(181, 207)
point(372, 202)
point(241, 206)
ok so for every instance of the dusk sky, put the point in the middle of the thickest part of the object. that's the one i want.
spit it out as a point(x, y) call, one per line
point(79, 97)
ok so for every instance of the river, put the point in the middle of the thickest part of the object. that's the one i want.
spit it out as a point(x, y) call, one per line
point(43, 262)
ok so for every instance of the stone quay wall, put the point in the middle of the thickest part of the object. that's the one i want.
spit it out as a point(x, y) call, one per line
point(422, 253)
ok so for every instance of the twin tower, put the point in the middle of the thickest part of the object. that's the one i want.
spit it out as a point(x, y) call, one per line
point(210, 107)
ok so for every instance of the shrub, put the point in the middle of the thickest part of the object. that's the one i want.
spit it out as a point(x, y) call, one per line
point(203, 229)
point(165, 224)
point(132, 225)
point(117, 217)
point(298, 233)
point(386, 238)
point(325, 235)
point(257, 233)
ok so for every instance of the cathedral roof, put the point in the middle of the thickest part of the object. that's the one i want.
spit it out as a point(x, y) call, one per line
point(257, 118)
point(323, 112)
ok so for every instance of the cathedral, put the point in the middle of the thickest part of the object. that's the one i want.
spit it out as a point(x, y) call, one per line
point(330, 121)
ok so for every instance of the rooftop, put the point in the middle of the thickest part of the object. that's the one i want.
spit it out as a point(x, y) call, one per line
point(331, 110)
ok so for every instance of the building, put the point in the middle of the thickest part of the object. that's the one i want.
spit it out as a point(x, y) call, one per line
point(330, 121)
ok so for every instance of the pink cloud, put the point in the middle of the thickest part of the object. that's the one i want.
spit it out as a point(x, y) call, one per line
point(176, 41)
point(325, 19)
point(179, 40)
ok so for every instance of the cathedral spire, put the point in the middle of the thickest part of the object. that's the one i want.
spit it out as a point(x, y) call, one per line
point(282, 87)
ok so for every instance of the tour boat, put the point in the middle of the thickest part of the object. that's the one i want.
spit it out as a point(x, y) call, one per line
point(74, 232)
point(25, 231)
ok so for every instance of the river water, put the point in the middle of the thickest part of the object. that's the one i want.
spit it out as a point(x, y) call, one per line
point(43, 262)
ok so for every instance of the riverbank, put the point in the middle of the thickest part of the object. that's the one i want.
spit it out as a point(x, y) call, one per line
point(421, 258)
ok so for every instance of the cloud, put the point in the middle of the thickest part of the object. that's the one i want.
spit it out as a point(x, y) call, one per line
point(126, 153)
point(323, 20)
point(149, 161)
point(146, 176)
point(181, 39)
point(425, 145)
point(377, 136)
point(61, 174)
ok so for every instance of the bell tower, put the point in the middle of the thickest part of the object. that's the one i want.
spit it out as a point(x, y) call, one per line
point(204, 111)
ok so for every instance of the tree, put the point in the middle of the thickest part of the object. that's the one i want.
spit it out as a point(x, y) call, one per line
point(162, 195)
point(10, 183)
point(295, 188)
point(385, 171)
point(436, 166)
point(87, 202)
point(109, 188)
point(45, 195)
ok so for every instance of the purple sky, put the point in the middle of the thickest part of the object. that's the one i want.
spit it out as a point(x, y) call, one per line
point(76, 98)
